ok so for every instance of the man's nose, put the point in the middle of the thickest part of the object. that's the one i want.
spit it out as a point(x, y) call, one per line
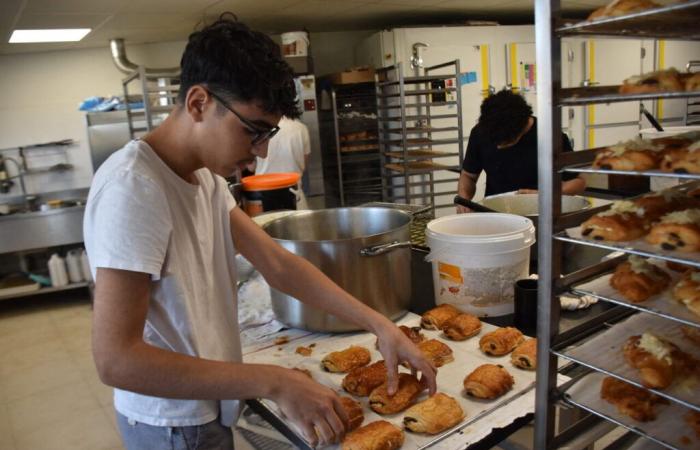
point(260, 150)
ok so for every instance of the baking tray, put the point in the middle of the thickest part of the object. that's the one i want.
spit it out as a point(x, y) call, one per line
point(604, 353)
point(668, 429)
point(450, 377)
point(636, 247)
point(662, 304)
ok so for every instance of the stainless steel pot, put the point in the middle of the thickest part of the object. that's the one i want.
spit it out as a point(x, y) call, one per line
point(366, 251)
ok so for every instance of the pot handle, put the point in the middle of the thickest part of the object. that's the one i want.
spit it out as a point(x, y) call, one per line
point(380, 249)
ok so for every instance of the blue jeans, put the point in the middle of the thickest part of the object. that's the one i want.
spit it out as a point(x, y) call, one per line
point(139, 436)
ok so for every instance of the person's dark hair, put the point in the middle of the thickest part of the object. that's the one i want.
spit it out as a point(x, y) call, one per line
point(239, 64)
point(504, 115)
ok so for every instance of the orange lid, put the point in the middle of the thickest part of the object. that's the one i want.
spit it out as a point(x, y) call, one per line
point(270, 181)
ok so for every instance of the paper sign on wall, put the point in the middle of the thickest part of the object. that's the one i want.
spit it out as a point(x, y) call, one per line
point(467, 77)
point(528, 77)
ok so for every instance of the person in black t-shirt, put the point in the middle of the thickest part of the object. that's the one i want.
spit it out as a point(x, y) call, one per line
point(504, 145)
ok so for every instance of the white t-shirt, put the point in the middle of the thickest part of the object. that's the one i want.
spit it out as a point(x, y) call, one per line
point(141, 216)
point(286, 150)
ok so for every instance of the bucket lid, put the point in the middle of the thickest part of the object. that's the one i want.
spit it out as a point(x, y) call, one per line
point(270, 181)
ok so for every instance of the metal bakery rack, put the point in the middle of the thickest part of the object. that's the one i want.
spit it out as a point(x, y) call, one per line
point(421, 140)
point(677, 21)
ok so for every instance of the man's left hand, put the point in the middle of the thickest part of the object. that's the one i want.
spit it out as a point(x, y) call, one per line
point(397, 348)
point(527, 191)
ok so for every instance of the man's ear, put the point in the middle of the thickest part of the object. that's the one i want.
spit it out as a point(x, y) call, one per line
point(197, 101)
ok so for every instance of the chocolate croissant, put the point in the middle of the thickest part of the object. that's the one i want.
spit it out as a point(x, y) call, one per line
point(437, 352)
point(679, 231)
point(434, 415)
point(501, 342)
point(637, 279)
point(687, 291)
point(362, 380)
point(624, 221)
point(354, 412)
point(635, 402)
point(525, 355)
point(379, 435)
point(413, 333)
point(462, 326)
point(657, 359)
point(409, 388)
point(435, 318)
point(346, 360)
point(488, 381)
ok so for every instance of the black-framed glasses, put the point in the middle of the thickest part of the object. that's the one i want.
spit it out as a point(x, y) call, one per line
point(260, 135)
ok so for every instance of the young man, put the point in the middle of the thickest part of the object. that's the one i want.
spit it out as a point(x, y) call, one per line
point(504, 145)
point(161, 230)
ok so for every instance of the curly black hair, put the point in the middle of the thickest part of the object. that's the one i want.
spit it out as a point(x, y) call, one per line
point(239, 64)
point(504, 116)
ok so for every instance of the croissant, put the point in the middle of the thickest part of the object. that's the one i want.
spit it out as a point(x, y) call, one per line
point(379, 435)
point(354, 412)
point(525, 355)
point(436, 317)
point(678, 231)
point(637, 279)
point(437, 352)
point(434, 415)
point(462, 326)
point(658, 360)
point(409, 388)
point(488, 381)
point(687, 291)
point(635, 402)
point(362, 380)
point(501, 341)
point(346, 360)
point(624, 221)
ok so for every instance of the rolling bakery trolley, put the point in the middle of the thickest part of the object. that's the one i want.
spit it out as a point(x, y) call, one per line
point(601, 355)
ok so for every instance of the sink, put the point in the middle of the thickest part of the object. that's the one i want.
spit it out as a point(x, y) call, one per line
point(27, 230)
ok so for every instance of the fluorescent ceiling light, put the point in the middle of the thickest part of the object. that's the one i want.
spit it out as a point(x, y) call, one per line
point(55, 35)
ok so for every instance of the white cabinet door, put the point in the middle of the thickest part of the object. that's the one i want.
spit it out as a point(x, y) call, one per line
point(609, 62)
point(673, 54)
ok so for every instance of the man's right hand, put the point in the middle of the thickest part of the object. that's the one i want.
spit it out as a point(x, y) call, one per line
point(463, 209)
point(315, 409)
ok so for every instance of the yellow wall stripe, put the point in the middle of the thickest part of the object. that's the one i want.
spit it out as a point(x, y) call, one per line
point(485, 70)
point(661, 66)
point(591, 108)
point(514, 67)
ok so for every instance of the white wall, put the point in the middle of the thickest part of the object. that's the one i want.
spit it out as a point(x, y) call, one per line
point(41, 93)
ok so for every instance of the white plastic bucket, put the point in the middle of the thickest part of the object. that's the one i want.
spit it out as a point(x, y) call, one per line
point(295, 43)
point(477, 258)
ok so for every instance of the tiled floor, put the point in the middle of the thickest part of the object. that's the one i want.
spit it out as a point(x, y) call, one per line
point(50, 395)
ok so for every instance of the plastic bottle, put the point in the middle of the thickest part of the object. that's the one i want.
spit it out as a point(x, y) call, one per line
point(75, 272)
point(57, 271)
point(85, 266)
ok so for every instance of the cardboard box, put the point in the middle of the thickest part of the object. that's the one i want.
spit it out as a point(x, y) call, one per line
point(353, 75)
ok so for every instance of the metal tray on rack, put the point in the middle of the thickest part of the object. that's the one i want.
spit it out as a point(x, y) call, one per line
point(588, 168)
point(420, 154)
point(604, 353)
point(637, 247)
point(418, 142)
point(409, 92)
point(663, 305)
point(418, 167)
point(610, 94)
point(668, 429)
point(679, 20)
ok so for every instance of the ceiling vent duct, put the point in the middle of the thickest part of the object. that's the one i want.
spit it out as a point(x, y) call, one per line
point(123, 64)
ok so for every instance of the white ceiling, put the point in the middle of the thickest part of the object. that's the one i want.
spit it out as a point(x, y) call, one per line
point(141, 21)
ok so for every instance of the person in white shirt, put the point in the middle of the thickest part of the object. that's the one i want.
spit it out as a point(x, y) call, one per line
point(288, 150)
point(162, 230)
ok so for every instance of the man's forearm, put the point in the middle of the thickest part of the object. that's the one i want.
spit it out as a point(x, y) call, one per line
point(573, 187)
point(467, 186)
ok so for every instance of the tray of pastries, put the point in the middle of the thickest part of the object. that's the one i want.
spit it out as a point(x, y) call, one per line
point(668, 289)
point(668, 156)
point(665, 224)
point(670, 424)
point(649, 351)
point(480, 368)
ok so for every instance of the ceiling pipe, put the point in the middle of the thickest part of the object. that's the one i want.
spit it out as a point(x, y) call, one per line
point(122, 62)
